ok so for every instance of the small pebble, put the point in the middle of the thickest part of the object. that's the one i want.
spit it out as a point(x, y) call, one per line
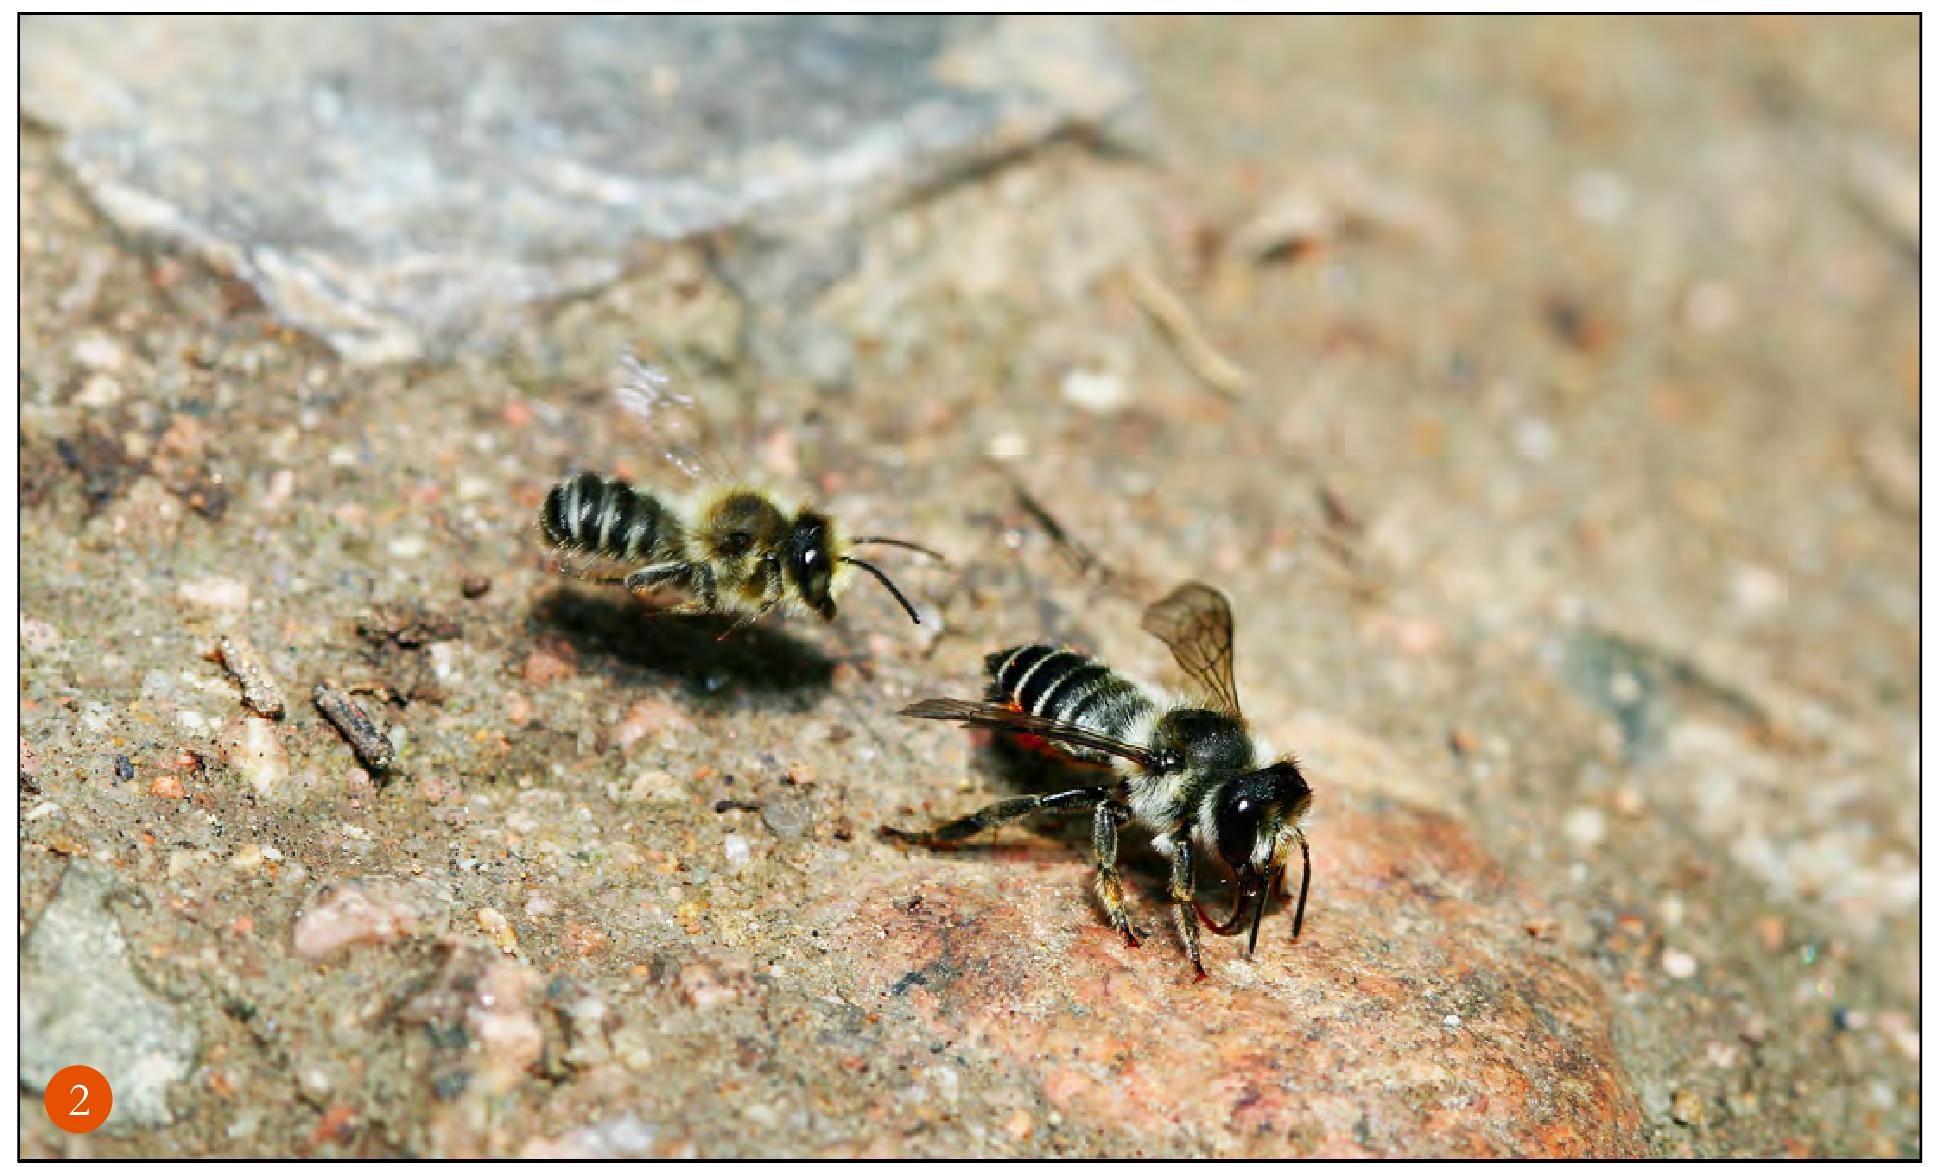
point(1686, 1108)
point(352, 912)
point(474, 586)
point(1453, 1021)
point(1678, 964)
point(98, 392)
point(1600, 196)
point(1534, 439)
point(1757, 590)
point(539, 907)
point(493, 922)
point(655, 786)
point(99, 353)
point(260, 690)
point(367, 739)
point(1585, 826)
point(406, 547)
point(218, 592)
point(1094, 391)
point(543, 668)
point(1019, 1125)
point(254, 750)
point(38, 635)
point(736, 849)
point(1008, 446)
point(167, 785)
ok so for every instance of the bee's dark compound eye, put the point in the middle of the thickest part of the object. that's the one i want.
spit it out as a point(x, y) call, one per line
point(1238, 822)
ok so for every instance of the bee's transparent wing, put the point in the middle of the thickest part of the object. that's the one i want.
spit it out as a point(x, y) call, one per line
point(986, 715)
point(1195, 623)
point(672, 418)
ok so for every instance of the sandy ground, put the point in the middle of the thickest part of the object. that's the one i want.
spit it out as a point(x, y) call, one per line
point(1544, 395)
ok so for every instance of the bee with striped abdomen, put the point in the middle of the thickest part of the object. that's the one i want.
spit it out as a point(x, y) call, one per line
point(1187, 769)
point(725, 548)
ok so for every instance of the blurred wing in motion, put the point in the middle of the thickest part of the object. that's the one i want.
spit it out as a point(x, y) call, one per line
point(1195, 623)
point(1004, 717)
point(667, 409)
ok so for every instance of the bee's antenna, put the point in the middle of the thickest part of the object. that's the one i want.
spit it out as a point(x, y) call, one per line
point(886, 581)
point(1302, 898)
point(904, 543)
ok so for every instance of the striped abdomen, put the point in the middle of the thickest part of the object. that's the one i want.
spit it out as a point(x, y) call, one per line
point(608, 517)
point(1061, 685)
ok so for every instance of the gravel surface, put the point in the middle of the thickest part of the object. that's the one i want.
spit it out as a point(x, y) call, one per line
point(1543, 393)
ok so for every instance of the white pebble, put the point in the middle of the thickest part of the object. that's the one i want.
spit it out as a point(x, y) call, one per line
point(736, 848)
point(1008, 446)
point(1585, 826)
point(1452, 1021)
point(1094, 391)
point(1534, 439)
point(1678, 964)
point(539, 907)
point(407, 547)
point(98, 352)
point(1757, 590)
point(98, 391)
point(1600, 196)
point(215, 592)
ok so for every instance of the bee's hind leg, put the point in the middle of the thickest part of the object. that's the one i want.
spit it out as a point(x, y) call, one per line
point(658, 576)
point(1003, 811)
point(1109, 817)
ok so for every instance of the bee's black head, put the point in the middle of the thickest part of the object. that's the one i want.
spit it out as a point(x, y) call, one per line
point(1254, 817)
point(1251, 810)
point(808, 558)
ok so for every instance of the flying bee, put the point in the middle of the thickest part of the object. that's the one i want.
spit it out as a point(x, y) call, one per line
point(730, 547)
point(1187, 769)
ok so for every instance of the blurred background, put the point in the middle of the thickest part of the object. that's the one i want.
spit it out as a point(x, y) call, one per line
point(1543, 393)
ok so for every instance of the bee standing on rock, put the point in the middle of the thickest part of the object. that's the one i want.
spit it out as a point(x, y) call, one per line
point(1189, 771)
point(730, 548)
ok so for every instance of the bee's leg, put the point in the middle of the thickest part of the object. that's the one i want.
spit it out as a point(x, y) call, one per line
point(1181, 887)
point(747, 620)
point(699, 581)
point(1002, 811)
point(1109, 817)
point(659, 575)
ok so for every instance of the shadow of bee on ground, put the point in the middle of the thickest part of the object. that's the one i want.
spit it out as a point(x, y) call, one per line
point(625, 638)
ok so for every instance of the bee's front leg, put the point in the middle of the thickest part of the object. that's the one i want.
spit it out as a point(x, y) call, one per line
point(1181, 887)
point(1108, 820)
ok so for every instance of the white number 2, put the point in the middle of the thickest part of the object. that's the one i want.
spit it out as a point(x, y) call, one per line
point(77, 1112)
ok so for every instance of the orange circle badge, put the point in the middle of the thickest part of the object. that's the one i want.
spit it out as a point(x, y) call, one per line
point(78, 1099)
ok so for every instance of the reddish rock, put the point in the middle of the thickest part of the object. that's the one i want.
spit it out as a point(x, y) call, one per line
point(544, 667)
point(353, 912)
point(1416, 1017)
